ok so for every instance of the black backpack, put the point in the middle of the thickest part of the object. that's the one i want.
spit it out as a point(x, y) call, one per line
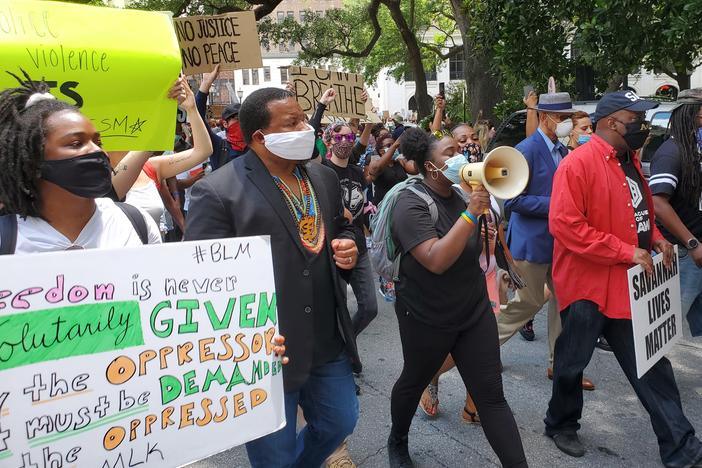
point(8, 228)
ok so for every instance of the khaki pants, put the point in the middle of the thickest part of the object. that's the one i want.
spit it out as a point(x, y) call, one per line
point(527, 302)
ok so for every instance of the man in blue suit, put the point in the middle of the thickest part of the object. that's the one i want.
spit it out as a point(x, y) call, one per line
point(528, 236)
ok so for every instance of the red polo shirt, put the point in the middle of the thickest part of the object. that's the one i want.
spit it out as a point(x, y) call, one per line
point(592, 222)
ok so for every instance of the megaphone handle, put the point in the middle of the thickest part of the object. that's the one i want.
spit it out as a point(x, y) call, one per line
point(473, 185)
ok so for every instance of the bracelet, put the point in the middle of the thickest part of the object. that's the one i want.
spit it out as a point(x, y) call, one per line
point(469, 217)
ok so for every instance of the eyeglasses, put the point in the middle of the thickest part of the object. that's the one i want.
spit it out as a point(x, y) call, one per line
point(350, 137)
point(645, 124)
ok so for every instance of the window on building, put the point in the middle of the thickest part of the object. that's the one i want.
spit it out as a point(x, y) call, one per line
point(291, 14)
point(254, 76)
point(266, 74)
point(430, 75)
point(245, 77)
point(281, 16)
point(284, 75)
point(319, 12)
point(456, 64)
point(302, 16)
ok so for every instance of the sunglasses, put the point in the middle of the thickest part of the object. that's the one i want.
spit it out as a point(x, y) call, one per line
point(350, 137)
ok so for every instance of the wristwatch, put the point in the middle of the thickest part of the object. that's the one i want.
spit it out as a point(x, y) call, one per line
point(692, 244)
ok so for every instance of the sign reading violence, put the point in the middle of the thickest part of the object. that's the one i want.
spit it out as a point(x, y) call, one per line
point(157, 356)
point(310, 83)
point(115, 65)
point(230, 40)
point(656, 314)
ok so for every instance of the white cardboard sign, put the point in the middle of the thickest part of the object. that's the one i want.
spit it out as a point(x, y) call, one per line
point(154, 356)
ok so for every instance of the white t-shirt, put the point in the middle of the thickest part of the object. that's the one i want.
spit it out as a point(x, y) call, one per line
point(109, 227)
point(186, 202)
point(148, 199)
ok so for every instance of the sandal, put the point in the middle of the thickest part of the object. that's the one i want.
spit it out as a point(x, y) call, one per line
point(430, 400)
point(470, 417)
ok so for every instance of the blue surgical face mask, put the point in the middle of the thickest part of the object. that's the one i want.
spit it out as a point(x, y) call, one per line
point(453, 168)
point(582, 139)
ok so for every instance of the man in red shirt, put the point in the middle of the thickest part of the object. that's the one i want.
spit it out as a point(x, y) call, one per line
point(601, 217)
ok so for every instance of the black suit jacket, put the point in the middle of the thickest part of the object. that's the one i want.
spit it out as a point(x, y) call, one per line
point(241, 199)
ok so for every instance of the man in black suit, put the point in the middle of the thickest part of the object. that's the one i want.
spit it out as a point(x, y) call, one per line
point(273, 190)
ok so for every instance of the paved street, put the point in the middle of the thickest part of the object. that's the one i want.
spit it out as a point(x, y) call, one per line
point(616, 430)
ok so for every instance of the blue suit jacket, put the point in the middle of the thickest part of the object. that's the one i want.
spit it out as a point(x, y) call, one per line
point(528, 236)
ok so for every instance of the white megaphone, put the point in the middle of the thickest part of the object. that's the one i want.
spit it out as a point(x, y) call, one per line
point(504, 173)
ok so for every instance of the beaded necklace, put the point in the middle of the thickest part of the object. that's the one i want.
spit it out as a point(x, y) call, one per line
point(304, 210)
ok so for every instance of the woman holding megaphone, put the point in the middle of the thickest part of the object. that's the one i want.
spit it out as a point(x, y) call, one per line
point(442, 302)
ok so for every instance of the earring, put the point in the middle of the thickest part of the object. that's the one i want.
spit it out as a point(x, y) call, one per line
point(435, 174)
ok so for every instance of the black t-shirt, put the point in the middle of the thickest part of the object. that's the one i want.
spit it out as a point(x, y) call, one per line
point(353, 187)
point(328, 343)
point(666, 173)
point(387, 179)
point(454, 299)
point(642, 220)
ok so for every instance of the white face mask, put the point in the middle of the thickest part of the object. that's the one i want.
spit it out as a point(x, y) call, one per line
point(564, 128)
point(294, 146)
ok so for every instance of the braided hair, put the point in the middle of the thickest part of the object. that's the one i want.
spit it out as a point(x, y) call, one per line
point(22, 135)
point(683, 128)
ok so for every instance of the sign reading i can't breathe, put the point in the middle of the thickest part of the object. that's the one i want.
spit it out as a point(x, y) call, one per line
point(115, 65)
point(159, 357)
point(309, 84)
point(230, 40)
point(656, 315)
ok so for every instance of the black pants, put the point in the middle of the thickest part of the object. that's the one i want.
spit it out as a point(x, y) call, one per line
point(476, 352)
point(657, 390)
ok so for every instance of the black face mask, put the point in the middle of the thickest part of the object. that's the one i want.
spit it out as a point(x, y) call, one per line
point(87, 176)
point(635, 137)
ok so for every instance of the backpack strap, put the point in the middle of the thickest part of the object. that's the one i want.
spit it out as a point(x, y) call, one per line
point(137, 220)
point(8, 234)
point(433, 210)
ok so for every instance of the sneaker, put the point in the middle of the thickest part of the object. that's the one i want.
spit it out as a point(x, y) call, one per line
point(387, 290)
point(398, 452)
point(527, 331)
point(603, 345)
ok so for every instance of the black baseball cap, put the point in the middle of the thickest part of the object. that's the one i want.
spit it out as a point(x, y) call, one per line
point(231, 110)
point(618, 100)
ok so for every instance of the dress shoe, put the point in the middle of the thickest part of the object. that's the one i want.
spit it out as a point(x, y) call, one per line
point(527, 331)
point(587, 383)
point(569, 443)
point(398, 452)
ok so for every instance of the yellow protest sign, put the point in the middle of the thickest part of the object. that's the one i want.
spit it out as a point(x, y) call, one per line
point(115, 65)
point(230, 40)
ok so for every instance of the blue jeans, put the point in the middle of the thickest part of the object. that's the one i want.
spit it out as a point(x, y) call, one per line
point(657, 390)
point(691, 291)
point(363, 285)
point(329, 403)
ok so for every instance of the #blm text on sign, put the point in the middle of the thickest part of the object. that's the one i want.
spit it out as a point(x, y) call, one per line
point(309, 85)
point(230, 41)
point(116, 65)
point(162, 357)
point(656, 314)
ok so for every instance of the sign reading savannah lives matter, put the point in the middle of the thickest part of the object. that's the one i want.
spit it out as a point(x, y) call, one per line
point(154, 356)
point(229, 40)
point(309, 84)
point(656, 314)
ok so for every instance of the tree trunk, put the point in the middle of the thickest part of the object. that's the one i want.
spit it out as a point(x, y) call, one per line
point(424, 102)
point(483, 88)
point(615, 82)
point(683, 79)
